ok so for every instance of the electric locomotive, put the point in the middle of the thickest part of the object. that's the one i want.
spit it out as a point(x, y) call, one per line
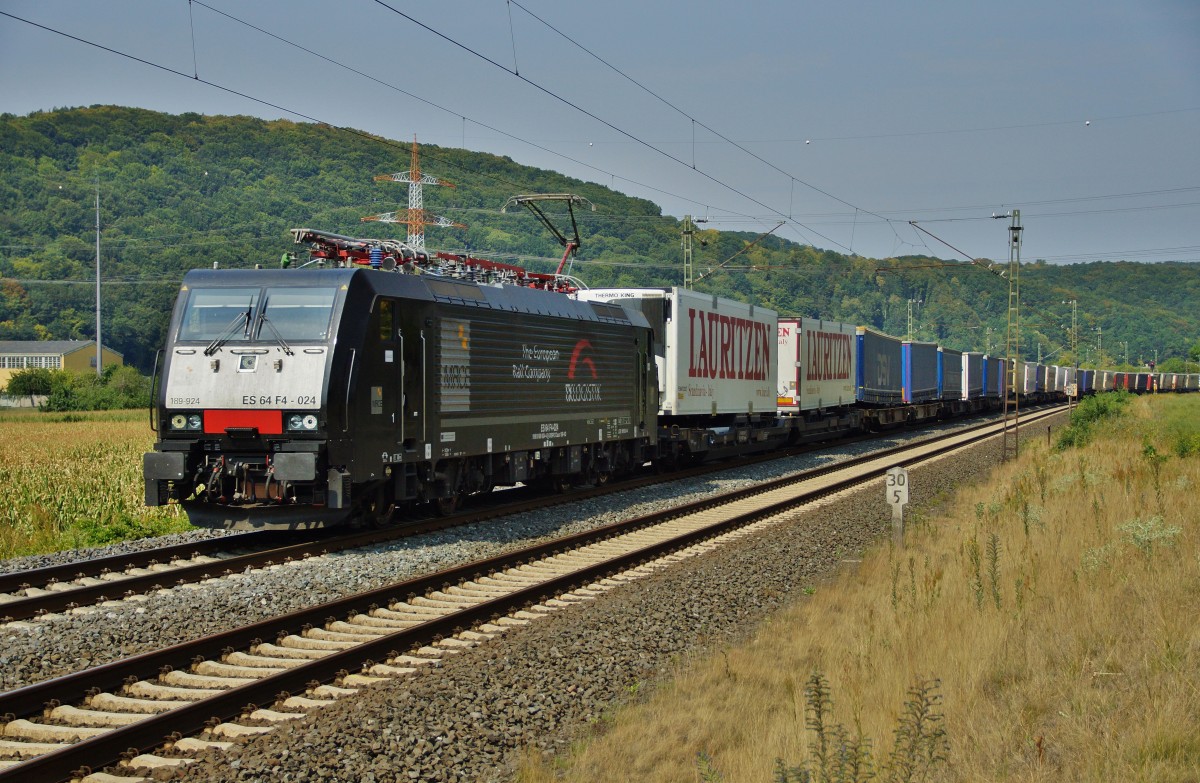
point(296, 400)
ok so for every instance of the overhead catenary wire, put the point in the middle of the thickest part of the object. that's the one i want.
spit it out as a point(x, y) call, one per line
point(853, 218)
point(353, 131)
point(694, 121)
point(344, 129)
point(455, 113)
point(601, 120)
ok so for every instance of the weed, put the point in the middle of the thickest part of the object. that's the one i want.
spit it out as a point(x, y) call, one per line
point(921, 742)
point(932, 584)
point(786, 774)
point(708, 769)
point(1155, 461)
point(1043, 478)
point(976, 560)
point(1096, 558)
point(993, 558)
point(820, 702)
point(838, 756)
point(1186, 444)
point(912, 582)
point(1145, 534)
point(895, 586)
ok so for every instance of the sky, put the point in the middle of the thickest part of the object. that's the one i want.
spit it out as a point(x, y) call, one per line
point(844, 121)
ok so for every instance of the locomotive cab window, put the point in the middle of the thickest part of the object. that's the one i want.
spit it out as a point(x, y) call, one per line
point(299, 313)
point(212, 312)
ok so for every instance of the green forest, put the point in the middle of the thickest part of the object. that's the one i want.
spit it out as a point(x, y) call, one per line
point(183, 191)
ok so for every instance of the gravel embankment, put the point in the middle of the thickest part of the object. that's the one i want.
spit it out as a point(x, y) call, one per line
point(539, 687)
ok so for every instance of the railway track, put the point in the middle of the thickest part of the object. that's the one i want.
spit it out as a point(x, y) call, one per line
point(29, 594)
point(92, 718)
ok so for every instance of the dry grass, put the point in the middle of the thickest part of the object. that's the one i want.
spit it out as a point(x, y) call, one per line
point(75, 480)
point(1057, 614)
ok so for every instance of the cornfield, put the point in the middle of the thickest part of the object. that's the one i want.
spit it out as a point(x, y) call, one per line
point(75, 481)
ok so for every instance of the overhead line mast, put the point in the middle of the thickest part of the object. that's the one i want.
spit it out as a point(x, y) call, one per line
point(1012, 413)
point(417, 217)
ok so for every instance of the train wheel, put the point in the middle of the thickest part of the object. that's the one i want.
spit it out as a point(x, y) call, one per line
point(446, 506)
point(375, 507)
point(603, 477)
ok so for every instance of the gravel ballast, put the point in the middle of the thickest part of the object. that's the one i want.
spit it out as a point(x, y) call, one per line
point(64, 643)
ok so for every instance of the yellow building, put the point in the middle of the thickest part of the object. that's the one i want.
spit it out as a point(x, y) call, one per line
point(74, 355)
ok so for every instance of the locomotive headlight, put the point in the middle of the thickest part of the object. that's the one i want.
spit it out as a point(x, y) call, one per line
point(301, 422)
point(186, 421)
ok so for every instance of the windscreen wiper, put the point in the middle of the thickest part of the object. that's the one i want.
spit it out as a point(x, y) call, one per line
point(238, 320)
point(262, 320)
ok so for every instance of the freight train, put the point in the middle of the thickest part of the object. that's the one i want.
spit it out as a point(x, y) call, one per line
point(386, 378)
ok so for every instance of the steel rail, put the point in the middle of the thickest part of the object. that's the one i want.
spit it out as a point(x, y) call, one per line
point(269, 551)
point(153, 731)
point(38, 577)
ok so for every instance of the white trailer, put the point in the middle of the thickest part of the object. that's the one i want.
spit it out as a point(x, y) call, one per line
point(715, 356)
point(817, 360)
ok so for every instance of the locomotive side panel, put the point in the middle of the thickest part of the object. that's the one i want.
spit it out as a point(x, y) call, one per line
point(378, 398)
point(550, 382)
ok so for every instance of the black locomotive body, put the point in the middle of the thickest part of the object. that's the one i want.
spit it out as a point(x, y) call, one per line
point(295, 400)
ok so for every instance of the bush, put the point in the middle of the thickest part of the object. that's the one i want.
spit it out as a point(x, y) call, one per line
point(118, 387)
point(1097, 408)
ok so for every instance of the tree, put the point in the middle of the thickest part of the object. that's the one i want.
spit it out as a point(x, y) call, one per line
point(33, 381)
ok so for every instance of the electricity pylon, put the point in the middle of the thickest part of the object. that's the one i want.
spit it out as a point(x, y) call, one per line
point(416, 216)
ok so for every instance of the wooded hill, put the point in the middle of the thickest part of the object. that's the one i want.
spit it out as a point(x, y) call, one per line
point(185, 191)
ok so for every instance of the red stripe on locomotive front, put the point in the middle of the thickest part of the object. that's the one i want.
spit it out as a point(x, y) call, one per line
point(266, 422)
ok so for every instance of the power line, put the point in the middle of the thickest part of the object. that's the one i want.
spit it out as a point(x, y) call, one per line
point(601, 120)
point(747, 218)
point(447, 110)
point(454, 113)
point(344, 129)
point(695, 121)
point(985, 129)
point(933, 132)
